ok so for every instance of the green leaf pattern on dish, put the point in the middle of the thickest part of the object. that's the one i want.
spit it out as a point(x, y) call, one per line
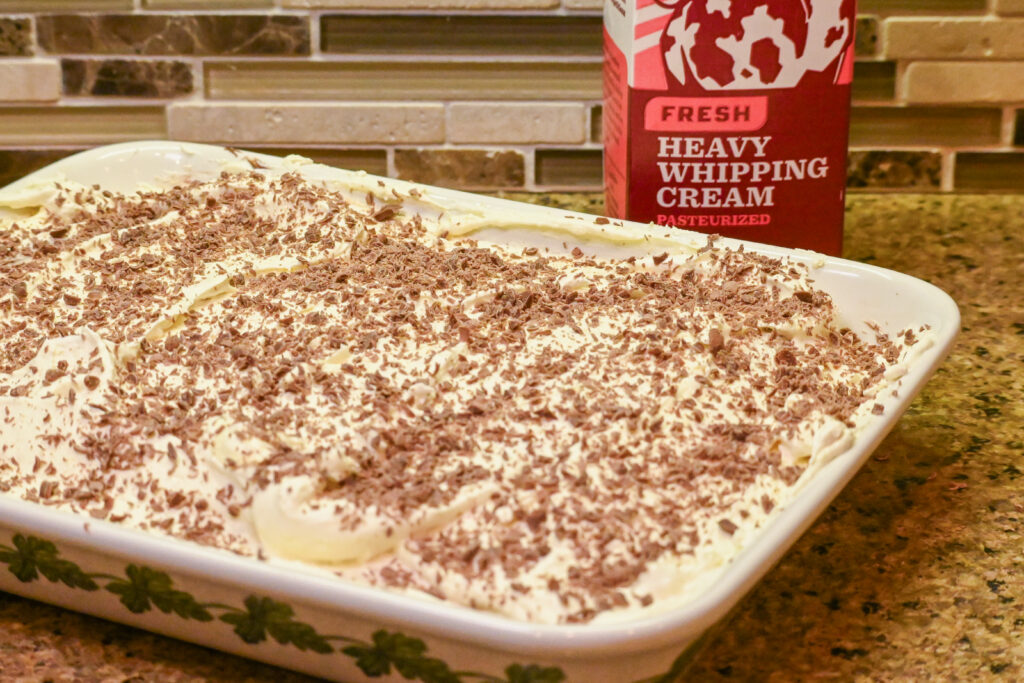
point(407, 655)
point(33, 556)
point(263, 615)
point(143, 588)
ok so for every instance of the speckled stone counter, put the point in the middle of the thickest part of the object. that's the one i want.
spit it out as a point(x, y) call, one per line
point(914, 573)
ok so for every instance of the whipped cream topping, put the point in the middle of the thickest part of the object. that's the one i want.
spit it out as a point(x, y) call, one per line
point(263, 364)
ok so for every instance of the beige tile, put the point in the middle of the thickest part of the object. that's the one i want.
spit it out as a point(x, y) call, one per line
point(475, 35)
point(79, 125)
point(308, 123)
point(29, 80)
point(1007, 7)
point(924, 126)
point(507, 123)
point(421, 4)
point(466, 169)
point(569, 168)
point(964, 82)
point(960, 38)
point(989, 171)
point(404, 80)
point(583, 4)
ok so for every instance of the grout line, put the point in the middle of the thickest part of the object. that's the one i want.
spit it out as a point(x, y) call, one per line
point(447, 121)
point(198, 81)
point(315, 51)
point(899, 89)
point(530, 169)
point(33, 37)
point(948, 170)
point(881, 46)
point(1009, 123)
point(389, 159)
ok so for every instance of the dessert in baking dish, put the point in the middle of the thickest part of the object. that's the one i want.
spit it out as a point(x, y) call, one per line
point(264, 364)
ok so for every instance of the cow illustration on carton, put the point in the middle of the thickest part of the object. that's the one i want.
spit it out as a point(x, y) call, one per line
point(757, 44)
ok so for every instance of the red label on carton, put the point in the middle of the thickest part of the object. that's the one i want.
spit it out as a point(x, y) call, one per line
point(730, 116)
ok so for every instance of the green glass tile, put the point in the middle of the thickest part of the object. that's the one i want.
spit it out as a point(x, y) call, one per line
point(569, 168)
point(937, 7)
point(874, 81)
point(924, 126)
point(41, 6)
point(989, 171)
point(174, 34)
point(461, 35)
point(373, 161)
point(403, 80)
point(79, 125)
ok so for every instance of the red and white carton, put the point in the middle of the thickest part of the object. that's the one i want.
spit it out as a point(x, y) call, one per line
point(730, 116)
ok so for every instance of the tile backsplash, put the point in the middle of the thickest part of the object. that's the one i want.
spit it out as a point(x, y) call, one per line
point(476, 94)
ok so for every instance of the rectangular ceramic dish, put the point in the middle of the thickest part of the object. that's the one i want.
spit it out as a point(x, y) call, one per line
point(340, 631)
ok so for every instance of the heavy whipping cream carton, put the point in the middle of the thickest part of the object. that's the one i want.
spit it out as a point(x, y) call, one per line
point(730, 116)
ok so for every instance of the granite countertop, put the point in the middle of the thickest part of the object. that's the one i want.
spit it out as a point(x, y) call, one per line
point(909, 575)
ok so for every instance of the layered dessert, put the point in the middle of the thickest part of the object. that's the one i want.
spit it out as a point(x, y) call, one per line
point(286, 369)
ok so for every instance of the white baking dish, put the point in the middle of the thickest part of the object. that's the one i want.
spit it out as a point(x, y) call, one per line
point(326, 627)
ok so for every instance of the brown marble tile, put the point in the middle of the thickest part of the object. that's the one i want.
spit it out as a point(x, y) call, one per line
point(464, 168)
point(479, 35)
point(17, 163)
point(1018, 136)
point(876, 169)
point(15, 36)
point(571, 168)
point(989, 171)
point(175, 34)
point(126, 78)
point(866, 36)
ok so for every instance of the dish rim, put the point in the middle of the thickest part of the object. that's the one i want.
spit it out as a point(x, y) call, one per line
point(446, 620)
